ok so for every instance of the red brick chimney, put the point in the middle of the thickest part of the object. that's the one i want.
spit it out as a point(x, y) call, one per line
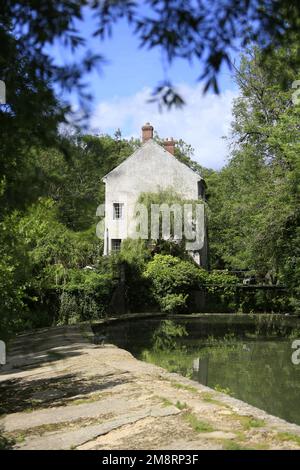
point(169, 145)
point(147, 132)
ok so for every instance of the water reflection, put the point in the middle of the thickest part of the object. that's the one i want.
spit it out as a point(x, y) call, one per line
point(254, 368)
point(200, 369)
point(260, 373)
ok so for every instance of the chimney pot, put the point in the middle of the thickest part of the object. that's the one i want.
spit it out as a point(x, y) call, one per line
point(169, 145)
point(147, 132)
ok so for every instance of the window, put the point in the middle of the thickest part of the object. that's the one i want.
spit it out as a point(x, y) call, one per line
point(201, 190)
point(115, 245)
point(117, 210)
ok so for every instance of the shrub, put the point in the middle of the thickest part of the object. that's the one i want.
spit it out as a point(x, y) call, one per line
point(132, 260)
point(85, 295)
point(169, 275)
point(172, 280)
point(135, 253)
point(173, 303)
point(12, 298)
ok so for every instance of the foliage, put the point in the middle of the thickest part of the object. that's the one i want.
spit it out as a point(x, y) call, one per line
point(185, 154)
point(197, 424)
point(86, 301)
point(51, 264)
point(254, 200)
point(133, 258)
point(47, 232)
point(6, 443)
point(168, 197)
point(173, 303)
point(224, 279)
point(135, 252)
point(13, 276)
point(166, 335)
point(221, 389)
point(72, 176)
point(12, 297)
point(173, 280)
point(193, 31)
point(171, 277)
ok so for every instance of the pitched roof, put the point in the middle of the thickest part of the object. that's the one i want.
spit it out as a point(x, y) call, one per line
point(156, 146)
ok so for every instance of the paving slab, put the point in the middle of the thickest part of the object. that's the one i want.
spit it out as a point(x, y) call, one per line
point(61, 391)
point(71, 439)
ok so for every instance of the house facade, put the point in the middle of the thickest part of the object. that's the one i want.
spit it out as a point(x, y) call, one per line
point(150, 169)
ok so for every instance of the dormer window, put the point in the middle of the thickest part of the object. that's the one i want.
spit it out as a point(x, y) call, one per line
point(117, 210)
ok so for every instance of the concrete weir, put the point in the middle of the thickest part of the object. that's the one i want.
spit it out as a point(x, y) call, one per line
point(60, 391)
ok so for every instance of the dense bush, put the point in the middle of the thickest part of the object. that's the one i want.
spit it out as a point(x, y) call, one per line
point(172, 280)
point(173, 303)
point(133, 260)
point(13, 276)
point(12, 298)
point(85, 296)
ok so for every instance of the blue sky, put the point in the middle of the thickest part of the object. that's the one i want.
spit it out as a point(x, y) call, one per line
point(121, 90)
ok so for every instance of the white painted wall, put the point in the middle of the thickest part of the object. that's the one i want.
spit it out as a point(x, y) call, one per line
point(150, 169)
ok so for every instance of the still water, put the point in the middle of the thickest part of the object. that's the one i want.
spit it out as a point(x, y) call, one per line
point(257, 370)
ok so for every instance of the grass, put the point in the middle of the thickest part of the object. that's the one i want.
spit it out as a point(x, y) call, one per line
point(233, 445)
point(225, 390)
point(89, 399)
point(6, 442)
point(208, 397)
point(247, 422)
point(181, 386)
point(288, 437)
point(180, 405)
point(197, 425)
point(166, 402)
point(254, 423)
point(20, 435)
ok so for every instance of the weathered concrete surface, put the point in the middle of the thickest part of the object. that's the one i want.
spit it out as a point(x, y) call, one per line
point(60, 391)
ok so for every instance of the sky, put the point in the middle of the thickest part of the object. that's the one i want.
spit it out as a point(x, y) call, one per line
point(122, 89)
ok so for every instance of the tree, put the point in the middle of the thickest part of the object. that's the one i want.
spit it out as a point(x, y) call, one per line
point(186, 29)
point(192, 30)
point(255, 199)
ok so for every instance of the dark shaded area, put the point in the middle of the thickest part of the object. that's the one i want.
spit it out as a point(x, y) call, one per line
point(242, 298)
point(6, 443)
point(23, 395)
point(137, 334)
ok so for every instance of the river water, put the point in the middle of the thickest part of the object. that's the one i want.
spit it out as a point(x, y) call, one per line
point(253, 365)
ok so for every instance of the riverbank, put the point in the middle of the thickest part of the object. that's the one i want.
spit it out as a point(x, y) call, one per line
point(61, 391)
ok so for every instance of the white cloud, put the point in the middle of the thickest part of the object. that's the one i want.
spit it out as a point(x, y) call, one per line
point(201, 122)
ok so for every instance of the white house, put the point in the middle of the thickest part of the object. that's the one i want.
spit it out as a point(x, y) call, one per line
point(151, 168)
